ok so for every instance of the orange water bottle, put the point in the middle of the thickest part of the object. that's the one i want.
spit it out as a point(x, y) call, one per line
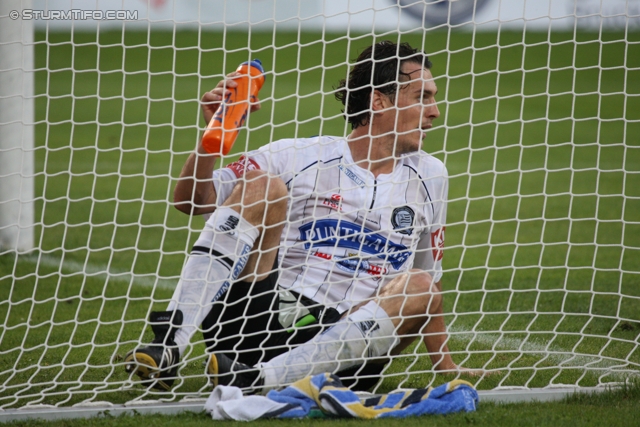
point(226, 122)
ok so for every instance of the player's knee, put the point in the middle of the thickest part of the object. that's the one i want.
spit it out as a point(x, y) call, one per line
point(412, 296)
point(422, 287)
point(260, 198)
point(261, 185)
point(257, 189)
point(421, 282)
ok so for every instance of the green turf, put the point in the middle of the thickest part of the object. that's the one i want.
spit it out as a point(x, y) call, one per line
point(615, 408)
point(539, 133)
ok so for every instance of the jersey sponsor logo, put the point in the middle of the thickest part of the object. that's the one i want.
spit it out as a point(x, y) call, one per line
point(335, 202)
point(344, 234)
point(322, 255)
point(352, 176)
point(358, 265)
point(437, 243)
point(242, 165)
point(353, 264)
point(402, 220)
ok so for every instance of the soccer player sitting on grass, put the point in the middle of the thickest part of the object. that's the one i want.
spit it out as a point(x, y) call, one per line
point(321, 254)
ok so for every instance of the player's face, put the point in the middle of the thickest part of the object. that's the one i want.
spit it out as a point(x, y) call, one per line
point(416, 108)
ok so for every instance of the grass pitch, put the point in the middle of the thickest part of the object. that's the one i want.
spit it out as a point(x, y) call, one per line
point(539, 133)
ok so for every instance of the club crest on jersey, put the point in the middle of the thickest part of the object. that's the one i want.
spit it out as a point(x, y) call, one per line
point(402, 220)
point(344, 234)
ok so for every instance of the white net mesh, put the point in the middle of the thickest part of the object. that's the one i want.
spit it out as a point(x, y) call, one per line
point(540, 107)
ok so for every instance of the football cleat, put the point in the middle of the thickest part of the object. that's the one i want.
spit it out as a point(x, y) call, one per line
point(222, 370)
point(157, 364)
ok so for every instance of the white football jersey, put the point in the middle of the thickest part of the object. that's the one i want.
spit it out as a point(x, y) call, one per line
point(348, 232)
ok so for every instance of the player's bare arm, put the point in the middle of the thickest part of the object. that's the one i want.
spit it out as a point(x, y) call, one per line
point(194, 193)
point(435, 339)
point(426, 297)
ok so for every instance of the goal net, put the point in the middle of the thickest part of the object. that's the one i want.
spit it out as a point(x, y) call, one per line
point(540, 112)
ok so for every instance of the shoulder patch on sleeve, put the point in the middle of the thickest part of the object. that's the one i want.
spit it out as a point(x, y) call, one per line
point(437, 243)
point(242, 165)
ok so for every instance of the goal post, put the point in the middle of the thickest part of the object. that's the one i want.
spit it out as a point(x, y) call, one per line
point(540, 112)
point(16, 131)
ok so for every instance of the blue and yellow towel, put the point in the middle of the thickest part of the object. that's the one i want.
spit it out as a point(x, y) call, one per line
point(324, 394)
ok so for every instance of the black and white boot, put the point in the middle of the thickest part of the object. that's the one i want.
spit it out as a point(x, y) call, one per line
point(222, 370)
point(157, 363)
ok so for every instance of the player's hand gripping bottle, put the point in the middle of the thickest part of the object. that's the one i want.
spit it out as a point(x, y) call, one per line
point(226, 122)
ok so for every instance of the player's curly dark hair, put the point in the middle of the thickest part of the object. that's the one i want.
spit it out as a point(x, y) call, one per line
point(377, 67)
